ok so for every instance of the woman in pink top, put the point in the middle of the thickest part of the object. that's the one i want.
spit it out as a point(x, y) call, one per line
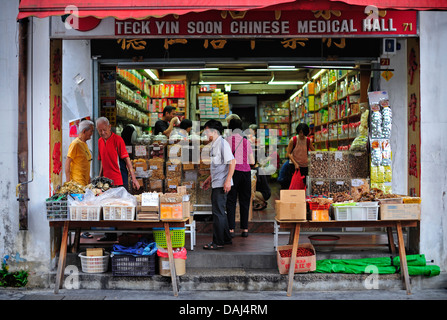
point(243, 154)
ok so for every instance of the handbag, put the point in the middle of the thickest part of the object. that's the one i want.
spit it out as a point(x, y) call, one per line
point(297, 182)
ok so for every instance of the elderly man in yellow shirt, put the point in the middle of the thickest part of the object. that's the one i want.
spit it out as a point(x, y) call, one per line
point(77, 165)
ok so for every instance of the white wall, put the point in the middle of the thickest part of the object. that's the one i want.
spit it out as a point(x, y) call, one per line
point(77, 94)
point(9, 209)
point(433, 44)
point(31, 244)
point(397, 92)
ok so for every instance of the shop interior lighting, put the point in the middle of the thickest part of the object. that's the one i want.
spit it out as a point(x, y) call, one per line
point(281, 67)
point(273, 69)
point(295, 94)
point(224, 82)
point(318, 74)
point(285, 82)
point(189, 69)
point(151, 74)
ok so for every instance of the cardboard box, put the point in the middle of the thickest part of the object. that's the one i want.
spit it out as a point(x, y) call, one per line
point(302, 264)
point(291, 206)
point(403, 211)
point(180, 266)
point(95, 252)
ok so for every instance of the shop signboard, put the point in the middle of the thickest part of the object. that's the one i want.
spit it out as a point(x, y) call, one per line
point(255, 23)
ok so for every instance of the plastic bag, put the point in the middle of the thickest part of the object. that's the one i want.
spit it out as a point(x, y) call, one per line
point(116, 196)
point(179, 253)
point(297, 182)
point(113, 196)
point(141, 248)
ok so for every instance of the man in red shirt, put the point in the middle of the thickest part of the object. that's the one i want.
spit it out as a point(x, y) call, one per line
point(111, 149)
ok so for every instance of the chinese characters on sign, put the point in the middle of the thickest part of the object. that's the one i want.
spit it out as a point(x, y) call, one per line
point(328, 24)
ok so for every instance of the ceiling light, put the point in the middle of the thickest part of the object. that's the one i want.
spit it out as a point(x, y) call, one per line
point(281, 67)
point(318, 74)
point(274, 69)
point(295, 94)
point(224, 82)
point(286, 82)
point(151, 74)
point(190, 69)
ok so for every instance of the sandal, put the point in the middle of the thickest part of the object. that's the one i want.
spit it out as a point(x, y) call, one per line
point(86, 235)
point(212, 246)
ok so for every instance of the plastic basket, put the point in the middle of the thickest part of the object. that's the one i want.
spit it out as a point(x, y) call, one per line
point(94, 264)
point(317, 206)
point(124, 265)
point(118, 212)
point(57, 210)
point(359, 212)
point(85, 213)
point(177, 237)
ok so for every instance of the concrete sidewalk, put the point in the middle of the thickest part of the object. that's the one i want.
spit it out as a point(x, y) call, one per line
point(65, 294)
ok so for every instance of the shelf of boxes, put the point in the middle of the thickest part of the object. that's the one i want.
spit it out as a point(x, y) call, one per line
point(331, 103)
point(127, 101)
point(167, 93)
point(276, 115)
point(213, 105)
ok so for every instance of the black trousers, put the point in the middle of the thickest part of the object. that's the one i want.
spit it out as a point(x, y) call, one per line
point(241, 188)
point(221, 232)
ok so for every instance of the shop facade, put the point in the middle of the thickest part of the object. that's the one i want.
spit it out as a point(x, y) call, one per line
point(79, 92)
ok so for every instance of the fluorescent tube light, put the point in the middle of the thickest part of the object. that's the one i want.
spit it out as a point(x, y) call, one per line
point(224, 82)
point(286, 82)
point(189, 69)
point(281, 67)
point(151, 74)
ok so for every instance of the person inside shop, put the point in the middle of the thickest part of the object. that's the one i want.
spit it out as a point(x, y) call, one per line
point(185, 128)
point(262, 193)
point(297, 153)
point(166, 124)
point(79, 157)
point(243, 153)
point(222, 168)
point(111, 149)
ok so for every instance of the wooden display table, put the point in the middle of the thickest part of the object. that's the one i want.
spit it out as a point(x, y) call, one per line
point(66, 225)
point(389, 224)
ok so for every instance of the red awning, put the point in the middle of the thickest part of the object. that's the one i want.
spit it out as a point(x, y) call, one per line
point(137, 9)
point(399, 4)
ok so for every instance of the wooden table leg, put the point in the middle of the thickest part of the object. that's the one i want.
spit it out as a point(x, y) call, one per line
point(391, 245)
point(171, 259)
point(403, 258)
point(296, 236)
point(62, 258)
point(76, 241)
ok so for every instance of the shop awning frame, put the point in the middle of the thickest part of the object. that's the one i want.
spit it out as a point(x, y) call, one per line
point(141, 9)
point(135, 9)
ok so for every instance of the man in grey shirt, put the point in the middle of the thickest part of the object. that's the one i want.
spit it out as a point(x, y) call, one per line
point(221, 169)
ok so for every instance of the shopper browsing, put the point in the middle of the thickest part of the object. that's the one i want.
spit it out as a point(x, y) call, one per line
point(297, 152)
point(77, 165)
point(243, 153)
point(112, 149)
point(221, 172)
point(167, 122)
point(263, 192)
point(185, 128)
